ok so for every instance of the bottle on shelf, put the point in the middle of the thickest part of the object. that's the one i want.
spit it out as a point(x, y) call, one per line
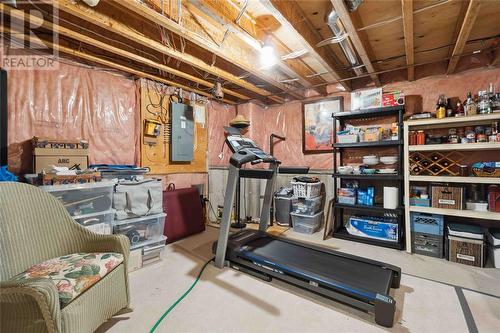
point(484, 104)
point(441, 107)
point(459, 111)
point(470, 105)
point(449, 108)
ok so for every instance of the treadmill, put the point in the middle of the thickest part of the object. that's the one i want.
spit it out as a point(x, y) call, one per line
point(359, 282)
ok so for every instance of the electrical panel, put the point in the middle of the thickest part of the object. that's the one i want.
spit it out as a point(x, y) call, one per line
point(182, 140)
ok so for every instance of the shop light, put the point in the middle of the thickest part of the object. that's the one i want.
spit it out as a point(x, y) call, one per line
point(267, 55)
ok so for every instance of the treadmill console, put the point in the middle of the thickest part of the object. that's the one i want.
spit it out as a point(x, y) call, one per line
point(246, 151)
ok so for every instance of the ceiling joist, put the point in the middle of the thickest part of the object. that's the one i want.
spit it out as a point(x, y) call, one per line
point(223, 51)
point(39, 22)
point(288, 11)
point(114, 26)
point(344, 17)
point(407, 6)
point(463, 36)
point(226, 14)
point(91, 58)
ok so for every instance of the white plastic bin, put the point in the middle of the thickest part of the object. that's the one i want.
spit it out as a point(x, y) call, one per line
point(306, 190)
point(307, 224)
point(307, 206)
point(494, 244)
point(142, 230)
point(86, 198)
point(100, 223)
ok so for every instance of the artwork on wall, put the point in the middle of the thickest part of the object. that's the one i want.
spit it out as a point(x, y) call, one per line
point(317, 126)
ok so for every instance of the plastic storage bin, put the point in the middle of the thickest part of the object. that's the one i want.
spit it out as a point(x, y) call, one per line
point(152, 252)
point(306, 224)
point(427, 245)
point(306, 190)
point(82, 199)
point(100, 223)
point(494, 244)
point(307, 206)
point(141, 231)
point(431, 224)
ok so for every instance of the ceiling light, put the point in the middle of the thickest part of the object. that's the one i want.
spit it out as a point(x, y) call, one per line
point(476, 52)
point(267, 56)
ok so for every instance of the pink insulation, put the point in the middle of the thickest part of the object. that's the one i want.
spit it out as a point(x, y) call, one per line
point(73, 102)
point(219, 115)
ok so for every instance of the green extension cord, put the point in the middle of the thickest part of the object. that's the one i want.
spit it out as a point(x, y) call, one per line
point(180, 298)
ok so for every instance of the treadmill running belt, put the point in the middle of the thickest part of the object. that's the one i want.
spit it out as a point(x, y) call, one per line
point(356, 274)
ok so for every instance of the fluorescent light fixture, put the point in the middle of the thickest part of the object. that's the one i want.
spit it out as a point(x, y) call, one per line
point(476, 52)
point(267, 56)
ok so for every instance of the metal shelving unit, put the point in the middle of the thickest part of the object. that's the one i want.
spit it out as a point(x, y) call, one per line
point(434, 123)
point(339, 230)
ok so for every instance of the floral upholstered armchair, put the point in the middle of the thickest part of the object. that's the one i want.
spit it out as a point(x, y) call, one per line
point(55, 275)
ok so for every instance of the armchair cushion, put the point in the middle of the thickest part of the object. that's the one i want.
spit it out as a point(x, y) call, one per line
point(73, 273)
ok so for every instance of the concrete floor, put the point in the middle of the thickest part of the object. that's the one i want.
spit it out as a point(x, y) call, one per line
point(228, 301)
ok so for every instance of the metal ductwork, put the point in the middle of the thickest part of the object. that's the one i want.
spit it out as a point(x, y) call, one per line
point(340, 36)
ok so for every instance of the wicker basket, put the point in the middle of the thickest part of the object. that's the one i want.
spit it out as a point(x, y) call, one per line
point(306, 190)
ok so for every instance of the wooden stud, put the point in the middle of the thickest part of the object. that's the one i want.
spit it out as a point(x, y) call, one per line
point(97, 60)
point(90, 15)
point(407, 6)
point(222, 52)
point(344, 17)
point(467, 25)
point(39, 22)
point(289, 11)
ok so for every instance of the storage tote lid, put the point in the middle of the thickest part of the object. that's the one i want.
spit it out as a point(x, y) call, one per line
point(494, 237)
point(465, 230)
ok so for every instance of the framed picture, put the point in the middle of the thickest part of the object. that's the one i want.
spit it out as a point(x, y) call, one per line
point(317, 124)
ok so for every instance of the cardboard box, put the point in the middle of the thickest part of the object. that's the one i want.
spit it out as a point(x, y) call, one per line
point(393, 98)
point(44, 158)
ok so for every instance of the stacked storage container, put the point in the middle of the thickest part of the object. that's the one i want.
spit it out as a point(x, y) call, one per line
point(427, 234)
point(307, 207)
point(145, 233)
point(90, 204)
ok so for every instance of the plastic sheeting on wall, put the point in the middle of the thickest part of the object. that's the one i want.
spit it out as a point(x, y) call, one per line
point(73, 102)
point(219, 116)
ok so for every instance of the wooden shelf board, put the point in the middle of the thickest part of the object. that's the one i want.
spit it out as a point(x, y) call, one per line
point(456, 212)
point(453, 121)
point(456, 146)
point(452, 179)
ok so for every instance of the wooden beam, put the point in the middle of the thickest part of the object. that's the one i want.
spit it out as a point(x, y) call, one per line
point(344, 17)
point(67, 50)
point(245, 60)
point(468, 23)
point(225, 13)
point(407, 6)
point(39, 22)
point(290, 15)
point(92, 16)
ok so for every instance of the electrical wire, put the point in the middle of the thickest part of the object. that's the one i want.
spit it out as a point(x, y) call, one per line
point(166, 313)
